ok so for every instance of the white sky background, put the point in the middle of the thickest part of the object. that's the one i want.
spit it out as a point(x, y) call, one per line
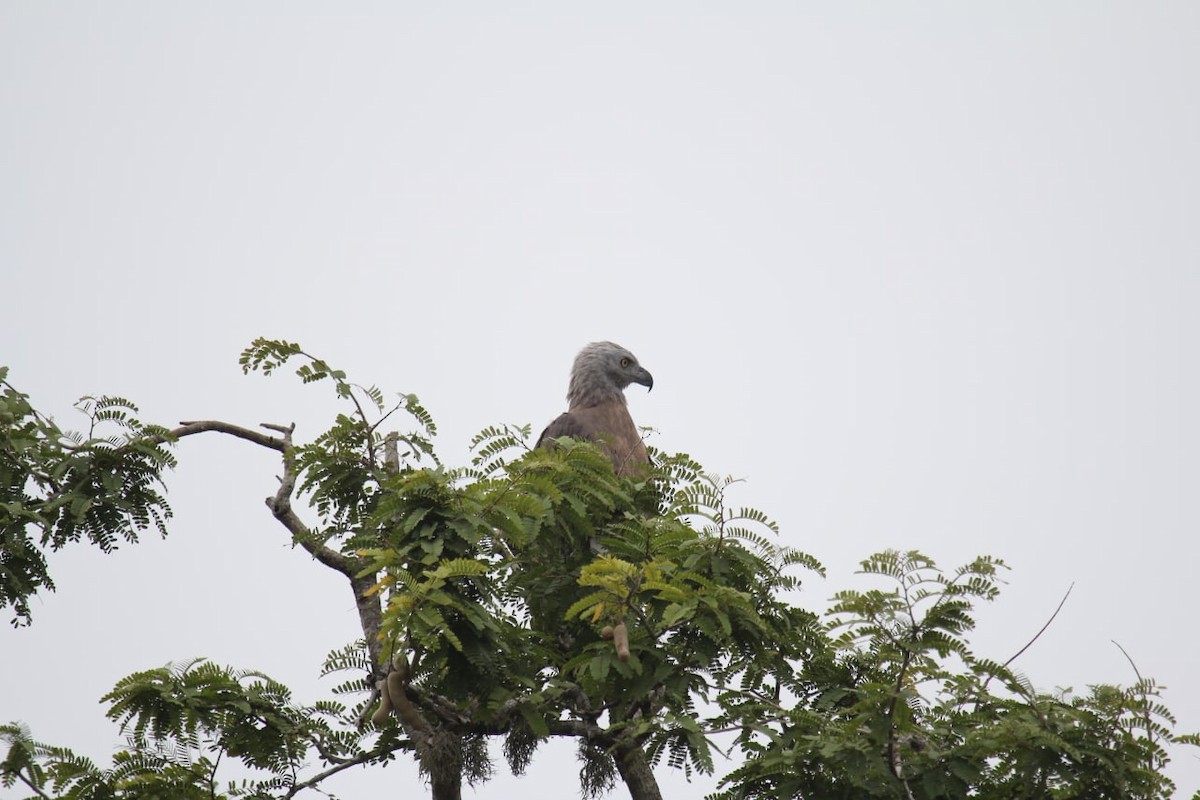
point(927, 275)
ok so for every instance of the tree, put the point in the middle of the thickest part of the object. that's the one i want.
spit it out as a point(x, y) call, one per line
point(899, 707)
point(536, 594)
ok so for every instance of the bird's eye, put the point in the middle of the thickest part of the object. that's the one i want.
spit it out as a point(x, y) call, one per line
point(625, 362)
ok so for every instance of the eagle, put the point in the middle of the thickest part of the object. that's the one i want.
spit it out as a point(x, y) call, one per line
point(596, 407)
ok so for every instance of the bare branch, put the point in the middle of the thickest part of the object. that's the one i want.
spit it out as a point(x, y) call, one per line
point(581, 730)
point(391, 452)
point(1029, 644)
point(1142, 689)
point(1037, 635)
point(202, 426)
point(281, 506)
point(1136, 671)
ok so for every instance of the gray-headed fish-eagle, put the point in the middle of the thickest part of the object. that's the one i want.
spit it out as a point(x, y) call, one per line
point(596, 407)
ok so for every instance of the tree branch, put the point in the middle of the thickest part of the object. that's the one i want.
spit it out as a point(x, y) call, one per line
point(1029, 644)
point(281, 503)
point(1037, 635)
point(32, 786)
point(362, 758)
point(370, 615)
point(187, 428)
point(893, 754)
point(447, 712)
point(369, 612)
point(1136, 671)
point(281, 506)
point(1142, 688)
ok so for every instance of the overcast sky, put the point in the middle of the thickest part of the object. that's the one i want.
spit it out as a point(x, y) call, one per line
point(926, 275)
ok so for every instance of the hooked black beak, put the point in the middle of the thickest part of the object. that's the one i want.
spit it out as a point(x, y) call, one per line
point(644, 378)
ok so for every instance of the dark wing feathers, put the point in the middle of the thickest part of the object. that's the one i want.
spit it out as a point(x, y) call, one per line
point(608, 425)
point(567, 424)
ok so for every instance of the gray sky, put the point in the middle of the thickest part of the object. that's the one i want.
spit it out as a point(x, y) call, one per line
point(925, 274)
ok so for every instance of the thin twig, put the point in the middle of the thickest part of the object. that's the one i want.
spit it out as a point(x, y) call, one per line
point(1037, 635)
point(361, 758)
point(27, 782)
point(1142, 688)
point(212, 775)
point(1127, 658)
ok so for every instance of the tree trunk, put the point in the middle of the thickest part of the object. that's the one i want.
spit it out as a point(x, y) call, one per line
point(635, 771)
point(441, 757)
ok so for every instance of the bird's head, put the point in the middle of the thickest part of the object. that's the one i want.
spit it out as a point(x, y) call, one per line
point(602, 371)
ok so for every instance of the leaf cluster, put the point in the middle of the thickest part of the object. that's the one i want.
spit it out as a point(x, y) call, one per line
point(899, 707)
point(538, 552)
point(180, 721)
point(102, 486)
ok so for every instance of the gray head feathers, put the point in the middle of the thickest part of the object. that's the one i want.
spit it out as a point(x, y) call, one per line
point(601, 372)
